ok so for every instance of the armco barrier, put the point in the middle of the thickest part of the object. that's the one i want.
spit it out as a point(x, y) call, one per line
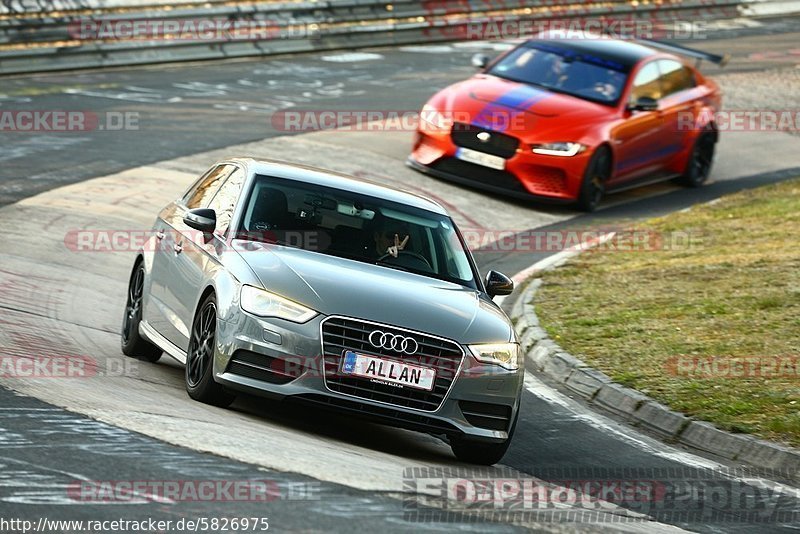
point(35, 40)
point(49, 6)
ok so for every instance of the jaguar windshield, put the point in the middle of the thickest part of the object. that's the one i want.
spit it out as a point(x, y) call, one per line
point(564, 71)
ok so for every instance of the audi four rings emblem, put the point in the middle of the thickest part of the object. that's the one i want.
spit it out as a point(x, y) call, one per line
point(395, 342)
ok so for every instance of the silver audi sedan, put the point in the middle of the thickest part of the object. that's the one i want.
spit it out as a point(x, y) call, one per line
point(301, 284)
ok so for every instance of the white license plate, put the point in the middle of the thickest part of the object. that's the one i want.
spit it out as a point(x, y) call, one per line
point(481, 158)
point(389, 371)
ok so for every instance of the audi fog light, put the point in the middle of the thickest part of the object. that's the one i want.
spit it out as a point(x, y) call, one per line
point(267, 304)
point(505, 355)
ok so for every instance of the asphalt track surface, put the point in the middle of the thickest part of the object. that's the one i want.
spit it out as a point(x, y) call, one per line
point(139, 424)
point(190, 108)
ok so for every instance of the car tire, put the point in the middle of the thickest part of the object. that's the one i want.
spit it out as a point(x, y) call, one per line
point(133, 344)
point(698, 168)
point(199, 375)
point(597, 173)
point(475, 452)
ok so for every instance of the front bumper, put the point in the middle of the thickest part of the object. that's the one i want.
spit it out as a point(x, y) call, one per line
point(284, 360)
point(526, 175)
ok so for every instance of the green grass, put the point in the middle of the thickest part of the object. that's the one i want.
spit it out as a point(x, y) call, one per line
point(731, 293)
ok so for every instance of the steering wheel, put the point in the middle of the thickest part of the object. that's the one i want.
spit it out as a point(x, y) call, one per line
point(410, 254)
point(605, 89)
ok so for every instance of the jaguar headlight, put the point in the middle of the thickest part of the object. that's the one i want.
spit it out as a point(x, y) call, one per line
point(558, 149)
point(433, 120)
point(503, 354)
point(268, 304)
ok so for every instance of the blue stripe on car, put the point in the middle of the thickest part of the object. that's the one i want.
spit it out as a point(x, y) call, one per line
point(499, 115)
point(521, 97)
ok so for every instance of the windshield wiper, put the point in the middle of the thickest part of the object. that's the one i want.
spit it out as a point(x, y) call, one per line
point(393, 266)
point(551, 88)
point(529, 82)
point(267, 241)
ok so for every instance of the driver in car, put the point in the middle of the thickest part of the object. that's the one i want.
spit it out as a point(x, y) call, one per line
point(557, 73)
point(610, 88)
point(387, 237)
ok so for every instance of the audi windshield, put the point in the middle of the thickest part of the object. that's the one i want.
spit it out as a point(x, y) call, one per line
point(563, 71)
point(354, 226)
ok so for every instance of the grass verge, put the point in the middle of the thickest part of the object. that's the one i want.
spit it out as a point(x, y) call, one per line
point(705, 319)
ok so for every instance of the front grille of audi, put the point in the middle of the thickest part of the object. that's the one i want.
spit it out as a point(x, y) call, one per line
point(342, 334)
point(498, 144)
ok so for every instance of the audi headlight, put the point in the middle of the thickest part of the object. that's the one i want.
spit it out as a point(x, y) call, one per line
point(503, 354)
point(433, 120)
point(558, 149)
point(267, 304)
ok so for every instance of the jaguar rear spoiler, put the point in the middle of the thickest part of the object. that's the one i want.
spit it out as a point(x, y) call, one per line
point(686, 51)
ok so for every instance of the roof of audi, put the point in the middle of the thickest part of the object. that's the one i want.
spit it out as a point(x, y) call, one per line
point(335, 180)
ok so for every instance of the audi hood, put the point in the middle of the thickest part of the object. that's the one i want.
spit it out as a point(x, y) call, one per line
point(338, 286)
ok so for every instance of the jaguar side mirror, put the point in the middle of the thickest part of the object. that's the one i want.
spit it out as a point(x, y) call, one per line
point(479, 61)
point(644, 103)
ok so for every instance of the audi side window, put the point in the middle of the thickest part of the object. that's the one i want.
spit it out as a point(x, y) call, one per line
point(224, 202)
point(204, 191)
point(675, 76)
point(192, 188)
point(647, 83)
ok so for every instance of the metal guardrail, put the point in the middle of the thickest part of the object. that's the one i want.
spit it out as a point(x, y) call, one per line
point(37, 41)
point(50, 6)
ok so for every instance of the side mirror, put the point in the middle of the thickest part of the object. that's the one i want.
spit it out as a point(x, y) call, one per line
point(479, 61)
point(644, 103)
point(203, 219)
point(498, 284)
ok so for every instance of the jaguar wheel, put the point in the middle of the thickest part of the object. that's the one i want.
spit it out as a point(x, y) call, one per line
point(598, 171)
point(200, 382)
point(698, 168)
